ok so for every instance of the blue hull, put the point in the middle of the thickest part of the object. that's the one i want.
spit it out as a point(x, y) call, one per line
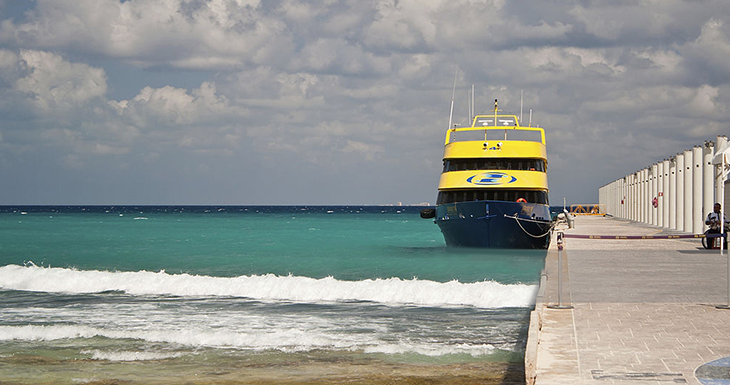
point(493, 224)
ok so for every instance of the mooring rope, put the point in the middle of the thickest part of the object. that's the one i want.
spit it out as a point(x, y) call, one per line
point(552, 225)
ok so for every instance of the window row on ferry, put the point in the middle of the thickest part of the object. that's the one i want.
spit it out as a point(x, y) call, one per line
point(529, 196)
point(526, 164)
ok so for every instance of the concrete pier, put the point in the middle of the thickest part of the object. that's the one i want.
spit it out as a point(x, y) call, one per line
point(643, 310)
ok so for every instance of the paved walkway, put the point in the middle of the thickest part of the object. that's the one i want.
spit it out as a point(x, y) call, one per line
point(644, 310)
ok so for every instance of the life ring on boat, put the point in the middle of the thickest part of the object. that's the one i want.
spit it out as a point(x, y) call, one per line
point(521, 200)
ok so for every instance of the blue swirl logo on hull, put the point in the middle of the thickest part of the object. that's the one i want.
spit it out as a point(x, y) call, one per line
point(491, 179)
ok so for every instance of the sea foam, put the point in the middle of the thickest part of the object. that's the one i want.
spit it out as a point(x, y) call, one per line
point(486, 294)
point(285, 341)
point(129, 355)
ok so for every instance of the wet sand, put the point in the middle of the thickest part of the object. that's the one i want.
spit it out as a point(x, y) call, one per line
point(300, 368)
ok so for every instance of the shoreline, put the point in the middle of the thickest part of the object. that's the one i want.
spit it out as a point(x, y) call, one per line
point(315, 367)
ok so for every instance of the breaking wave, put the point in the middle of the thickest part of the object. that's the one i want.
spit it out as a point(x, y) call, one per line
point(486, 294)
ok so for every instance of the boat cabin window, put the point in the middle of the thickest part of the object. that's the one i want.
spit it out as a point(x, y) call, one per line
point(531, 196)
point(489, 121)
point(495, 164)
point(495, 135)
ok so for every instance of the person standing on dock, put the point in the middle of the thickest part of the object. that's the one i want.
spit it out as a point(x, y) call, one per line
point(713, 220)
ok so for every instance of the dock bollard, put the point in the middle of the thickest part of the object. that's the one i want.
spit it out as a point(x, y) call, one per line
point(560, 275)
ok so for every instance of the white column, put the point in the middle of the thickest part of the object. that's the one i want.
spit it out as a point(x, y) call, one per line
point(679, 198)
point(647, 195)
point(720, 143)
point(621, 183)
point(625, 196)
point(666, 196)
point(611, 201)
point(639, 196)
point(660, 193)
point(673, 193)
point(629, 190)
point(602, 194)
point(697, 222)
point(688, 197)
point(635, 197)
point(654, 190)
point(637, 191)
point(622, 196)
point(642, 197)
point(617, 200)
point(634, 193)
point(708, 179)
point(627, 193)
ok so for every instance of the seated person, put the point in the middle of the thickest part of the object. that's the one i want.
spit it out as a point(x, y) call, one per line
point(713, 220)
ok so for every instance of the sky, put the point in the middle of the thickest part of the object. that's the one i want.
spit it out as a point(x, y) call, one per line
point(246, 102)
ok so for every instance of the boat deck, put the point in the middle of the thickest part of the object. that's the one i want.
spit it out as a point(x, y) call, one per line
point(644, 311)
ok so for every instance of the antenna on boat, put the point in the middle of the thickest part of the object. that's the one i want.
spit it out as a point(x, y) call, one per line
point(495, 112)
point(495, 119)
point(521, 100)
point(473, 113)
point(468, 105)
point(453, 93)
point(530, 118)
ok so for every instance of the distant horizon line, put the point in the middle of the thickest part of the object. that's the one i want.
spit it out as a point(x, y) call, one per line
point(215, 205)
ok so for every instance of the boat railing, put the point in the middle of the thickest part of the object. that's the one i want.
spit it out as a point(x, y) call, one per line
point(492, 133)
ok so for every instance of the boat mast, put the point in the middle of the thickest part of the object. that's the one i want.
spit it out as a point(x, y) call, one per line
point(453, 93)
point(468, 105)
point(495, 119)
point(472, 104)
point(495, 112)
point(521, 102)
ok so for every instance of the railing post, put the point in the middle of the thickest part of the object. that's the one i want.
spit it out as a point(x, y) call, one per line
point(723, 176)
point(560, 275)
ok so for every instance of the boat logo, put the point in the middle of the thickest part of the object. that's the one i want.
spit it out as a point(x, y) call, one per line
point(491, 179)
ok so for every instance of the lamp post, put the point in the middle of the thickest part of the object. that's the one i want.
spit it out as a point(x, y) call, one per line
point(722, 153)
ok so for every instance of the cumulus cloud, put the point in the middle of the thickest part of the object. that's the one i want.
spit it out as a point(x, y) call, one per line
point(324, 87)
point(189, 34)
point(50, 82)
point(369, 151)
point(707, 55)
point(634, 22)
point(65, 104)
point(171, 106)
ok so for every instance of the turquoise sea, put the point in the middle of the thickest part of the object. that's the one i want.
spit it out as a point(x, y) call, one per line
point(261, 294)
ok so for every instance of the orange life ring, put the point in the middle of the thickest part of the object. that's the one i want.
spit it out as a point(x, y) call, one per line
point(521, 200)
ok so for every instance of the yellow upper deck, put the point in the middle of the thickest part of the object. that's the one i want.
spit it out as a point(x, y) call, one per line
point(494, 136)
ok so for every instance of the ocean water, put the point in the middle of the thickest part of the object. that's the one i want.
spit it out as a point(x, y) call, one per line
point(255, 295)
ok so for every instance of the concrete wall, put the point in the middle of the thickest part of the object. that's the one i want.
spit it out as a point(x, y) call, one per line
point(683, 186)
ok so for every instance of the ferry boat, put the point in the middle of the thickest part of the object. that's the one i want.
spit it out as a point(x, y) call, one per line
point(493, 189)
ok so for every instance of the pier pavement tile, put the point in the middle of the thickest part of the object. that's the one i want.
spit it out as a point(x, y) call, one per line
point(617, 354)
point(644, 310)
point(710, 349)
point(674, 364)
